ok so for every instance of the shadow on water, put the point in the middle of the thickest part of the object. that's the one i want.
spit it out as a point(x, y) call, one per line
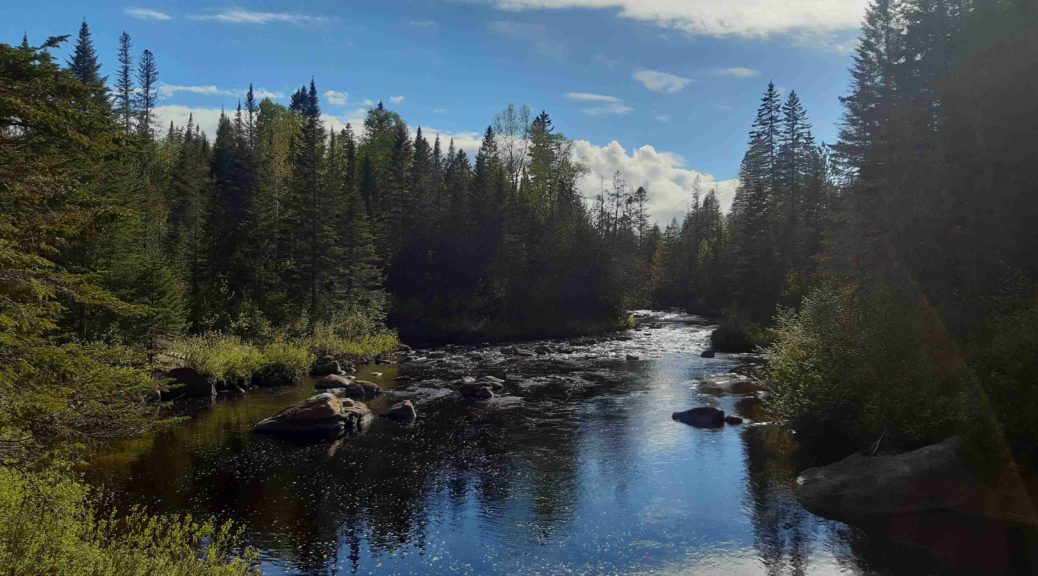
point(576, 467)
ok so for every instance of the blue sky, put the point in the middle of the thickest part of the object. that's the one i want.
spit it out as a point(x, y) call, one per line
point(662, 90)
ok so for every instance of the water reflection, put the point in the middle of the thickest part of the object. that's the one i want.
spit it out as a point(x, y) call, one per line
point(579, 470)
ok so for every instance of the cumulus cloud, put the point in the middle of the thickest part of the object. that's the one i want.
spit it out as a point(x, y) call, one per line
point(737, 72)
point(805, 21)
point(241, 16)
point(205, 118)
point(336, 98)
point(534, 35)
point(146, 14)
point(664, 175)
point(396, 99)
point(661, 81)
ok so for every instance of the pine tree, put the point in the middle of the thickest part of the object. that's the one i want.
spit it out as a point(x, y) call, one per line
point(124, 90)
point(83, 63)
point(147, 94)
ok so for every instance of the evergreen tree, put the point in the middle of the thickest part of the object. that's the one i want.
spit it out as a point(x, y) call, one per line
point(147, 94)
point(124, 90)
point(83, 63)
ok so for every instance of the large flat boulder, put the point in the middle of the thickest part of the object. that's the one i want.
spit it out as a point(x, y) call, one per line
point(333, 381)
point(191, 383)
point(859, 486)
point(321, 416)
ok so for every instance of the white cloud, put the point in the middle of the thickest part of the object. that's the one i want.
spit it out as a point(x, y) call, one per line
point(170, 90)
point(422, 23)
point(588, 97)
point(610, 105)
point(204, 118)
point(535, 35)
point(146, 14)
point(661, 81)
point(336, 98)
point(396, 99)
point(813, 22)
point(241, 16)
point(663, 174)
point(664, 117)
point(368, 102)
point(737, 72)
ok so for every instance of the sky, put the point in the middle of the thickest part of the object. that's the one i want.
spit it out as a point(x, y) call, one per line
point(662, 90)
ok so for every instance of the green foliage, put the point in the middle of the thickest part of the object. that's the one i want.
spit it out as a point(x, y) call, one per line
point(859, 365)
point(738, 333)
point(286, 360)
point(226, 359)
point(51, 524)
point(330, 340)
point(1006, 368)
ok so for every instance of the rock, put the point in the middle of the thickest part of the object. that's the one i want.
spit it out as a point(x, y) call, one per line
point(733, 420)
point(702, 417)
point(404, 348)
point(361, 390)
point(632, 358)
point(728, 384)
point(542, 349)
point(708, 353)
point(323, 415)
point(191, 383)
point(275, 375)
point(436, 355)
point(333, 381)
point(325, 366)
point(403, 411)
point(495, 384)
point(858, 487)
point(476, 390)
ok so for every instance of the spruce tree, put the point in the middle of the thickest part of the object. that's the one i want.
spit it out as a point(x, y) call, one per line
point(147, 94)
point(83, 63)
point(124, 90)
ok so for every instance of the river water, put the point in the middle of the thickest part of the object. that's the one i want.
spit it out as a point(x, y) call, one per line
point(577, 468)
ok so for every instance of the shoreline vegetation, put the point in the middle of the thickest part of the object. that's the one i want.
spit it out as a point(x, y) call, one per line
point(890, 279)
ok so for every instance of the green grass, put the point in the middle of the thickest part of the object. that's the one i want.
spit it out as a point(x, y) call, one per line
point(226, 359)
point(327, 341)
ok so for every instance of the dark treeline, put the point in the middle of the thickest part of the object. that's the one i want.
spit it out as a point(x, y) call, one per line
point(281, 220)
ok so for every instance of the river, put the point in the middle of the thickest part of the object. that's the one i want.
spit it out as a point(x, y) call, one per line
point(577, 468)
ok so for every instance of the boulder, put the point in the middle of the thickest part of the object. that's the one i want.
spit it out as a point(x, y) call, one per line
point(322, 416)
point(403, 411)
point(728, 384)
point(542, 349)
point(733, 420)
point(494, 383)
point(701, 417)
point(326, 365)
point(708, 353)
point(403, 348)
point(476, 390)
point(191, 383)
point(862, 487)
point(632, 358)
point(360, 390)
point(275, 375)
point(333, 381)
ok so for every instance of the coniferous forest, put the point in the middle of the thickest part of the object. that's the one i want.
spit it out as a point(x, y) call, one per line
point(890, 278)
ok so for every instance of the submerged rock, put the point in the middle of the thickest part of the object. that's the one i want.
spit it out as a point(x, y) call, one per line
point(728, 384)
point(403, 411)
point(701, 417)
point(321, 416)
point(360, 390)
point(708, 353)
point(733, 420)
point(476, 390)
point(857, 487)
point(333, 381)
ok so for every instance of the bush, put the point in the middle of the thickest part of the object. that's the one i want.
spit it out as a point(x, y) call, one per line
point(857, 366)
point(285, 363)
point(327, 341)
point(737, 333)
point(226, 359)
point(1006, 362)
point(50, 523)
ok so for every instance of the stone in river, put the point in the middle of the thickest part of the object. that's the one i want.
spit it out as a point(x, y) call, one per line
point(320, 416)
point(701, 417)
point(403, 411)
point(333, 381)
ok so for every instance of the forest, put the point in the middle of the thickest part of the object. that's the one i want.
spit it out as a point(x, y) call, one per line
point(890, 278)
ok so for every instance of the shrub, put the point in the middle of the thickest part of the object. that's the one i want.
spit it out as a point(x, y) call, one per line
point(327, 341)
point(737, 333)
point(224, 358)
point(51, 523)
point(858, 365)
point(284, 362)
